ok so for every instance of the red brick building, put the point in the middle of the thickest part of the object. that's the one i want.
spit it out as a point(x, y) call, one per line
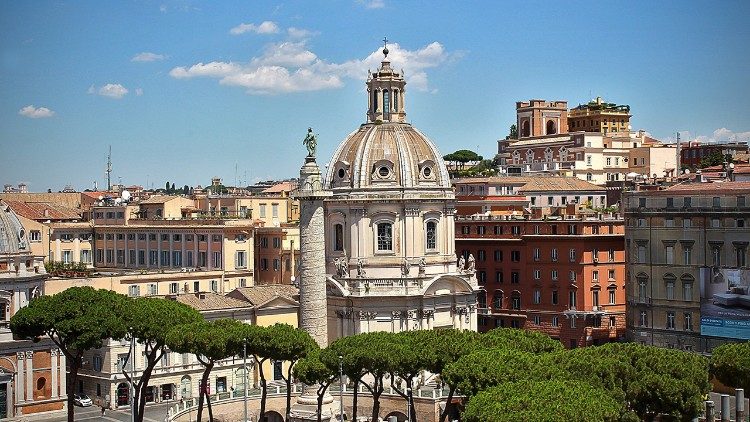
point(560, 270)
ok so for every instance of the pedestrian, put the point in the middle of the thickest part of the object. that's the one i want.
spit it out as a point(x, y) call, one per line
point(103, 409)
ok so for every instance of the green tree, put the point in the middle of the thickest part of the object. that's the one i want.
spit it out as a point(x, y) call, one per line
point(186, 190)
point(716, 158)
point(542, 401)
point(149, 320)
point(166, 188)
point(730, 364)
point(312, 371)
point(525, 340)
point(462, 156)
point(172, 189)
point(445, 347)
point(409, 357)
point(353, 352)
point(76, 320)
point(209, 341)
point(289, 344)
point(513, 132)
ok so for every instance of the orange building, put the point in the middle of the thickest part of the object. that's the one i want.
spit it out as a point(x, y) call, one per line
point(558, 269)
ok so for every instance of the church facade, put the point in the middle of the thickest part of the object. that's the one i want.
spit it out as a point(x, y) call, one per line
point(390, 261)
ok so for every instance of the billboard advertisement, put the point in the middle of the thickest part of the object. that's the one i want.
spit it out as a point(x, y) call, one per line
point(725, 303)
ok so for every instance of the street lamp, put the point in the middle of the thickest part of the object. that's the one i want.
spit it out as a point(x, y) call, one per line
point(341, 388)
point(132, 376)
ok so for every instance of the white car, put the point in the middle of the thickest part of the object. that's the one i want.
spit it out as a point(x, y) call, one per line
point(82, 400)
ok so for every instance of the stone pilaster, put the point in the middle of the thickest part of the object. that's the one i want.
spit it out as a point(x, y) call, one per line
point(312, 276)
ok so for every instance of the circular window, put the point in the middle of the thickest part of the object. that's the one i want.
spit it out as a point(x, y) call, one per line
point(427, 172)
point(384, 171)
point(40, 383)
point(342, 173)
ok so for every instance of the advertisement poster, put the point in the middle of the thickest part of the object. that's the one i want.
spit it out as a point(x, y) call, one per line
point(725, 303)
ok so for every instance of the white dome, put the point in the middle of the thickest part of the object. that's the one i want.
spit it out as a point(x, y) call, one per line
point(387, 156)
point(12, 234)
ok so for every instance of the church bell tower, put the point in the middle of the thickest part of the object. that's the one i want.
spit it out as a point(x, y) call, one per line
point(385, 89)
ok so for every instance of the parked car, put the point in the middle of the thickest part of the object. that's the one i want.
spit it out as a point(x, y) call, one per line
point(82, 400)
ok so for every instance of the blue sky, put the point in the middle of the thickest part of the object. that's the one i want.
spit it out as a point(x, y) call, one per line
point(186, 90)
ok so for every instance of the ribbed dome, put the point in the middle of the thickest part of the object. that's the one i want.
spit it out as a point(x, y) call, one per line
point(12, 234)
point(387, 156)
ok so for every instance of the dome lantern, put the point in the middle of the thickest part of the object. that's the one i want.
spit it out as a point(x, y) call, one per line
point(385, 89)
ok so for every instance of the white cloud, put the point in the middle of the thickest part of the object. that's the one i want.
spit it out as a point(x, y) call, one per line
point(298, 33)
point(139, 91)
point(163, 8)
point(115, 91)
point(147, 57)
point(372, 4)
point(266, 27)
point(291, 67)
point(719, 135)
point(36, 113)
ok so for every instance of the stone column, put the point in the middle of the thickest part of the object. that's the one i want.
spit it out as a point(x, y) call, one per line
point(30, 375)
point(63, 373)
point(312, 274)
point(53, 360)
point(20, 377)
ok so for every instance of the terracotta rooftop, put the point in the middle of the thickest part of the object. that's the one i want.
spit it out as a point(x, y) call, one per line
point(712, 187)
point(536, 184)
point(158, 199)
point(211, 301)
point(280, 187)
point(258, 295)
point(43, 211)
point(497, 180)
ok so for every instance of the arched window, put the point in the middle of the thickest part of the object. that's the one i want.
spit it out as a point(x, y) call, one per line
point(563, 154)
point(384, 236)
point(525, 131)
point(516, 157)
point(529, 156)
point(338, 237)
point(687, 287)
point(185, 387)
point(482, 300)
point(395, 100)
point(374, 101)
point(515, 300)
point(551, 129)
point(548, 154)
point(669, 280)
point(431, 235)
point(386, 104)
point(497, 299)
point(589, 177)
point(642, 279)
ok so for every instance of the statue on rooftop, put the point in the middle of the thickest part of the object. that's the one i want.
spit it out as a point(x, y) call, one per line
point(310, 142)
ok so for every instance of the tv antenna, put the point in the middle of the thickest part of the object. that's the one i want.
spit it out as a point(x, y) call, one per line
point(109, 169)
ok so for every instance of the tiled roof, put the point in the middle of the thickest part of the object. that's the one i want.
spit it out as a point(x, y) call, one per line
point(43, 211)
point(711, 187)
point(158, 199)
point(279, 188)
point(211, 301)
point(497, 180)
point(536, 184)
point(258, 295)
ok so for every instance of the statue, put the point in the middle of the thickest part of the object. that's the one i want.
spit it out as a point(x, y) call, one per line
point(360, 267)
point(422, 264)
point(310, 142)
point(406, 267)
point(461, 263)
point(471, 264)
point(344, 266)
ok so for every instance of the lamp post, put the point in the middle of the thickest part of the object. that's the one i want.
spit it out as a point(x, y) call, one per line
point(408, 404)
point(244, 376)
point(341, 388)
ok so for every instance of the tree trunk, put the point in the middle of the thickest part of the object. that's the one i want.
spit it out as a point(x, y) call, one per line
point(448, 403)
point(376, 392)
point(320, 403)
point(413, 411)
point(288, 392)
point(263, 391)
point(142, 385)
point(210, 411)
point(354, 398)
point(203, 389)
point(75, 364)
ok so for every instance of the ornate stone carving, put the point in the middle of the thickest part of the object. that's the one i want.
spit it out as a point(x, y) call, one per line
point(461, 263)
point(471, 264)
point(422, 265)
point(361, 268)
point(342, 266)
point(397, 314)
point(411, 211)
point(29, 354)
point(425, 313)
point(20, 356)
point(344, 313)
point(405, 267)
point(365, 315)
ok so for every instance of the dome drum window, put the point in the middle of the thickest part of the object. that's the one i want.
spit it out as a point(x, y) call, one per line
point(383, 171)
point(427, 170)
point(341, 174)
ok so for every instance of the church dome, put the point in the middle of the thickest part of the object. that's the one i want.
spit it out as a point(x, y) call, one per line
point(12, 234)
point(386, 153)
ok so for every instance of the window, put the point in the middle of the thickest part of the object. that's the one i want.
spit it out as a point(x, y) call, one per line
point(96, 362)
point(516, 230)
point(177, 237)
point(686, 223)
point(164, 237)
point(264, 242)
point(498, 229)
point(537, 297)
point(641, 222)
point(176, 258)
point(554, 275)
point(687, 291)
point(262, 210)
point(196, 286)
point(153, 258)
point(131, 257)
point(141, 236)
point(611, 254)
point(641, 290)
point(67, 257)
point(240, 260)
point(740, 223)
point(572, 275)
point(498, 255)
point(214, 286)
point(595, 276)
point(641, 254)
point(670, 320)
point(687, 254)
point(499, 276)
point(740, 201)
point(134, 291)
point(572, 325)
point(537, 274)
point(480, 230)
point(189, 259)
point(221, 384)
point(554, 297)
point(688, 322)
point(642, 202)
point(385, 236)
point(715, 223)
point(669, 255)
point(481, 255)
point(466, 230)
point(110, 256)
point(514, 277)
point(740, 255)
point(164, 258)
point(277, 243)
point(122, 358)
point(431, 235)
point(217, 260)
point(152, 289)
point(643, 320)
point(275, 210)
point(386, 104)
point(595, 298)
point(572, 255)
point(216, 238)
point(716, 201)
point(669, 222)
point(537, 320)
point(173, 289)
point(572, 298)
point(264, 264)
point(152, 236)
point(482, 277)
point(276, 264)
point(554, 254)
point(612, 299)
point(497, 299)
point(555, 321)
point(515, 256)
point(612, 322)
point(609, 161)
point(670, 290)
point(85, 256)
point(536, 254)
point(686, 202)
point(35, 236)
point(515, 302)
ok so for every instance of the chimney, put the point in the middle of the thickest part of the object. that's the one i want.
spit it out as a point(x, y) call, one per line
point(46, 213)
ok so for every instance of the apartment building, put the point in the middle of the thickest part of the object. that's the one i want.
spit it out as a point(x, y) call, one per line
point(688, 277)
point(554, 266)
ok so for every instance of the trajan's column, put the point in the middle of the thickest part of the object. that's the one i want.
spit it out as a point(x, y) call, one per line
point(312, 274)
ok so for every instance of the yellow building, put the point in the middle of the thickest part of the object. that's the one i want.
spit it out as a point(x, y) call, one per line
point(601, 117)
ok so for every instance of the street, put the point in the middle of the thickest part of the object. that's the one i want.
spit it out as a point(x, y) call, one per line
point(154, 413)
